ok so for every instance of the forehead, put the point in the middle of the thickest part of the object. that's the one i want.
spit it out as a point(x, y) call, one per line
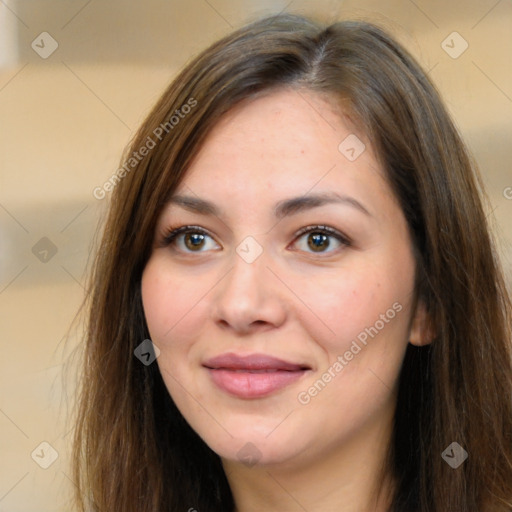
point(287, 142)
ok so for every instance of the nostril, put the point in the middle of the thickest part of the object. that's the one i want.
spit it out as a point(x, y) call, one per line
point(223, 323)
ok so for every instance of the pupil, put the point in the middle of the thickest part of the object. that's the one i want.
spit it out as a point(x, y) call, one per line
point(194, 240)
point(318, 241)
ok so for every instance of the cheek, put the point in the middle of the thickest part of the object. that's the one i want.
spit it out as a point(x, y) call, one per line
point(362, 337)
point(365, 304)
point(171, 305)
point(170, 301)
point(175, 309)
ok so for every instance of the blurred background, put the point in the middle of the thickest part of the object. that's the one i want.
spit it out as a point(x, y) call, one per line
point(76, 79)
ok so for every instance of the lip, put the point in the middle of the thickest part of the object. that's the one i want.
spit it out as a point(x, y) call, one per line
point(253, 376)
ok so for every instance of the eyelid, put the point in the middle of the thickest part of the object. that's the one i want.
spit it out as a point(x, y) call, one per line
point(171, 233)
point(341, 240)
point(345, 240)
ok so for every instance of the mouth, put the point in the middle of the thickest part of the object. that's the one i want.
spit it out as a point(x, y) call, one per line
point(253, 376)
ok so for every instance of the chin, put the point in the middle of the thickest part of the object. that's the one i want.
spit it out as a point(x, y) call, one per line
point(252, 448)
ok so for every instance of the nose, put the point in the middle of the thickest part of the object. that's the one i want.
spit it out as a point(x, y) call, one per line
point(248, 298)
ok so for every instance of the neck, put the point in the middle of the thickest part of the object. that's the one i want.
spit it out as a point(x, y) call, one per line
point(350, 478)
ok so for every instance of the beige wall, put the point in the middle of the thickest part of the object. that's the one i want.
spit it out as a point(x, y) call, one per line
point(65, 120)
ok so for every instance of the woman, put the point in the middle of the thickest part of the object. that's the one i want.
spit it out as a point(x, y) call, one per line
point(297, 304)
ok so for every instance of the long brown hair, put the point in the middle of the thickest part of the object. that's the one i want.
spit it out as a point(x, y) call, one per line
point(134, 451)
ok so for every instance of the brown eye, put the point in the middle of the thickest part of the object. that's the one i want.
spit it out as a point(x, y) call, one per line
point(194, 241)
point(318, 242)
point(320, 239)
point(188, 239)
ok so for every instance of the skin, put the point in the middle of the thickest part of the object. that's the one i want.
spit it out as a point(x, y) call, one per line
point(292, 302)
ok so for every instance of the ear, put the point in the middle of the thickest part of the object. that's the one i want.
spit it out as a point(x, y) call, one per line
point(422, 330)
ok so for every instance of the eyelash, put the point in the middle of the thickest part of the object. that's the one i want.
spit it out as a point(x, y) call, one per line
point(171, 233)
point(324, 230)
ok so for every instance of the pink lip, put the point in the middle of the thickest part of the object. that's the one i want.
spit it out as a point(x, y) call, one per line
point(252, 376)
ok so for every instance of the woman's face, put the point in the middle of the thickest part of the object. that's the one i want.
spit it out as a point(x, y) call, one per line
point(282, 313)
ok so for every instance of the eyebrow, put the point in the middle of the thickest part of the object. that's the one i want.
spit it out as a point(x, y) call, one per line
point(282, 209)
